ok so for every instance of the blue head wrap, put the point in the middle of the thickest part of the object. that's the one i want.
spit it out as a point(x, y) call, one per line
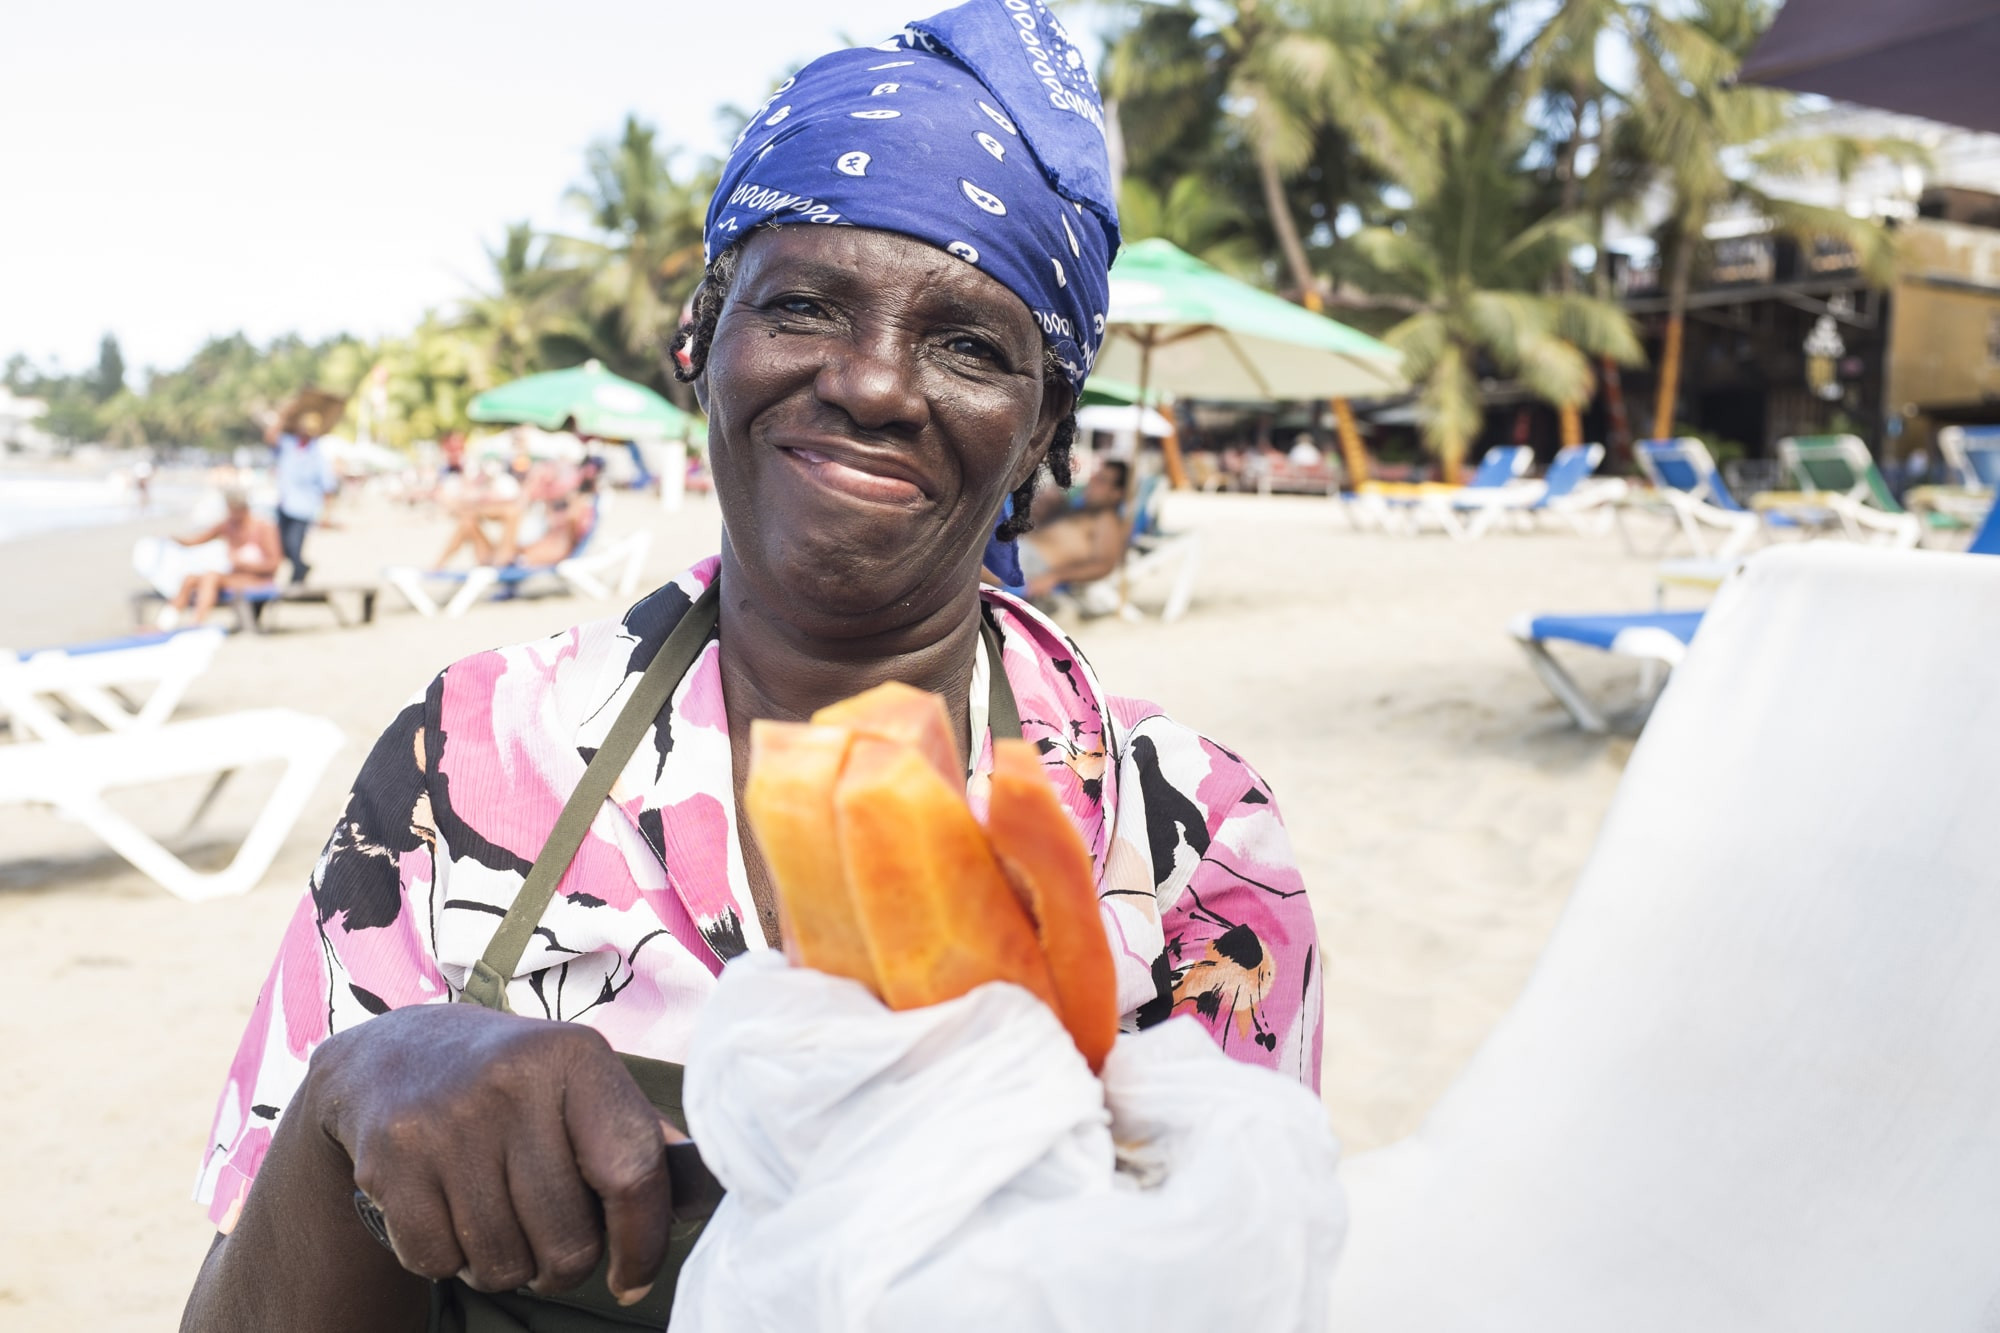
point(978, 130)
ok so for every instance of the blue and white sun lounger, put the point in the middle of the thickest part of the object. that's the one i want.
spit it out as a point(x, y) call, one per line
point(92, 678)
point(1401, 506)
point(1569, 491)
point(1687, 482)
point(582, 572)
point(1657, 638)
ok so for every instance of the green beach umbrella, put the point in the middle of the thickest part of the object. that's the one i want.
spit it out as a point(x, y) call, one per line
point(597, 402)
point(1099, 391)
point(1179, 327)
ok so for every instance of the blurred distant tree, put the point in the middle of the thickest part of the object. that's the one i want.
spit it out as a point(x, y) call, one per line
point(643, 254)
point(110, 377)
point(429, 382)
point(512, 324)
point(1195, 217)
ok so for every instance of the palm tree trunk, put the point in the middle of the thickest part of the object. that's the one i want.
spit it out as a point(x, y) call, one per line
point(1451, 458)
point(1286, 230)
point(1572, 425)
point(1351, 451)
point(1670, 352)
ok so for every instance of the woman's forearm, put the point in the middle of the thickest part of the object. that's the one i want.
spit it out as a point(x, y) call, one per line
point(299, 1257)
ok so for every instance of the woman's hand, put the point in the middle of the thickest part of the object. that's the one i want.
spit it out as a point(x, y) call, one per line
point(483, 1138)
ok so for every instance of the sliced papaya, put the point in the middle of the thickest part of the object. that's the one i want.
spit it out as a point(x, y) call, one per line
point(938, 915)
point(788, 799)
point(905, 714)
point(1044, 858)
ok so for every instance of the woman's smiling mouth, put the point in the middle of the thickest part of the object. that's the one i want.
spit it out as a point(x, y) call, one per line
point(856, 476)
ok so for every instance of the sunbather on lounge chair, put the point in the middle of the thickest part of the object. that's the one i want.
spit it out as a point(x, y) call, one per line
point(253, 562)
point(1080, 544)
point(571, 505)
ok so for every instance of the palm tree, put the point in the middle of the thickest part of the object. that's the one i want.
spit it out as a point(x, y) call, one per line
point(509, 324)
point(1710, 141)
point(1194, 216)
point(644, 253)
point(1472, 263)
point(1287, 73)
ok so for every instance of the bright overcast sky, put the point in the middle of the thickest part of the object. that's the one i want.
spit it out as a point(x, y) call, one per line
point(171, 171)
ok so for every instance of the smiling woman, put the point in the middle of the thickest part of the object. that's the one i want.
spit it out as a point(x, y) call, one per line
point(551, 833)
point(884, 397)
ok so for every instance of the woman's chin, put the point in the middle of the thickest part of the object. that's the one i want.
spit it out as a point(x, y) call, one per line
point(841, 592)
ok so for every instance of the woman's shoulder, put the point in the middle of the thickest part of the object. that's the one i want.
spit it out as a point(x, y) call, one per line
point(573, 673)
point(1163, 754)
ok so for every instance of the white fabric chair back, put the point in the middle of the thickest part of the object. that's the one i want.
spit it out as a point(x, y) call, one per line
point(1754, 1082)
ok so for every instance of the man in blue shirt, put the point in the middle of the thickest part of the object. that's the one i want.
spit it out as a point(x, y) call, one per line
point(305, 479)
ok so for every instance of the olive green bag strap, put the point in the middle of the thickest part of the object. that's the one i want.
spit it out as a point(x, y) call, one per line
point(487, 984)
point(1003, 716)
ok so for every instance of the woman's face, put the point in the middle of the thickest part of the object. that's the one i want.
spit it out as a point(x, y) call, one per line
point(871, 401)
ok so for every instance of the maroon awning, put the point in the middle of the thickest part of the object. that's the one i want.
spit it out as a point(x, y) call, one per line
point(1935, 58)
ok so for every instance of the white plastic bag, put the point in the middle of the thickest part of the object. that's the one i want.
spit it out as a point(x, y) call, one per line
point(954, 1167)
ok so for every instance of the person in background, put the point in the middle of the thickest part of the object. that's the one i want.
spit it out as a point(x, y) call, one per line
point(253, 562)
point(142, 482)
point(568, 496)
point(305, 480)
point(1077, 542)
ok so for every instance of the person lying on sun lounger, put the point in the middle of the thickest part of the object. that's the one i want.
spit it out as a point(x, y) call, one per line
point(1079, 544)
point(253, 562)
point(571, 515)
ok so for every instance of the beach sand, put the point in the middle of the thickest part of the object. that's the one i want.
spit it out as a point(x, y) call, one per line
point(1440, 803)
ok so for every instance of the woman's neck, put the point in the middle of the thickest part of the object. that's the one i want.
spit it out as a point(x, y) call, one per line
point(771, 670)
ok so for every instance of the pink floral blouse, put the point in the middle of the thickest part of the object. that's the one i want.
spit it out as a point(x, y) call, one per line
point(1204, 906)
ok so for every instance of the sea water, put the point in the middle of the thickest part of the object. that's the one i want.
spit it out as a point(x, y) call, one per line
point(35, 503)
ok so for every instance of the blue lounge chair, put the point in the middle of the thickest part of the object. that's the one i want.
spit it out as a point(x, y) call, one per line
point(1657, 638)
point(1569, 491)
point(581, 572)
point(1406, 506)
point(1987, 540)
point(93, 678)
point(1689, 485)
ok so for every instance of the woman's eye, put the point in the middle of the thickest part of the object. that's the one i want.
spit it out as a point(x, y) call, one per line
point(966, 345)
point(797, 305)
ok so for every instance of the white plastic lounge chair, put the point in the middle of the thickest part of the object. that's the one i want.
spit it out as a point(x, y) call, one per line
point(1972, 456)
point(584, 572)
point(1658, 639)
point(1406, 506)
point(73, 773)
point(1687, 483)
point(1752, 1084)
point(1837, 472)
point(1568, 491)
point(94, 678)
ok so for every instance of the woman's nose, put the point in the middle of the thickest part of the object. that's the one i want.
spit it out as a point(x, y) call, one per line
point(874, 380)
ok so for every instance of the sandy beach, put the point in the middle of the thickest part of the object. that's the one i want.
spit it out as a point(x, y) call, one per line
point(1440, 802)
